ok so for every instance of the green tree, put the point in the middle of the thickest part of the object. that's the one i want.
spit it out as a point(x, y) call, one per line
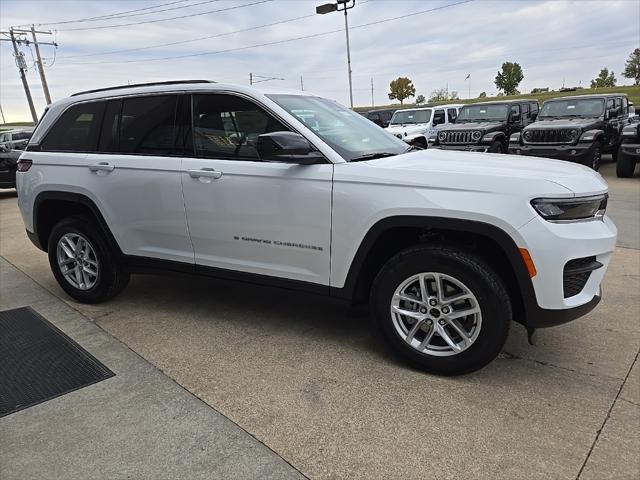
point(632, 67)
point(605, 79)
point(420, 99)
point(509, 78)
point(482, 95)
point(401, 88)
point(454, 95)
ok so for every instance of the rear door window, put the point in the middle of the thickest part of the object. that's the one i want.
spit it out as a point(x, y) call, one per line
point(76, 130)
point(452, 114)
point(147, 125)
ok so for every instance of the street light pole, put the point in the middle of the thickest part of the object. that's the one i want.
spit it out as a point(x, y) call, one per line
point(342, 5)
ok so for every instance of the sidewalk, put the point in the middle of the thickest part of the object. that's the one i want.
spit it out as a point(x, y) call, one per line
point(139, 424)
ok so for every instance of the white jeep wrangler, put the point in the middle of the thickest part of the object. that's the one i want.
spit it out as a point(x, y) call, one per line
point(415, 125)
point(293, 190)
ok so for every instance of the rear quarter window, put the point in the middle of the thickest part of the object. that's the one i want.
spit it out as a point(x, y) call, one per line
point(76, 130)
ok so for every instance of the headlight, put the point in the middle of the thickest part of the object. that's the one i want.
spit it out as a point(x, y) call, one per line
point(476, 135)
point(527, 135)
point(573, 134)
point(442, 135)
point(571, 209)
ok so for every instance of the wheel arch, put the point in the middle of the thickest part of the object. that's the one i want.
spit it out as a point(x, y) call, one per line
point(393, 234)
point(52, 206)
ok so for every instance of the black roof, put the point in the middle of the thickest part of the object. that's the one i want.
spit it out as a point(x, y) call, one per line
point(507, 102)
point(377, 110)
point(591, 95)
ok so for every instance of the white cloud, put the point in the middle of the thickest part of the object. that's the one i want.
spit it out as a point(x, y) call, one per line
point(552, 40)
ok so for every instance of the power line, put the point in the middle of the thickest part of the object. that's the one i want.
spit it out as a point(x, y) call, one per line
point(277, 42)
point(112, 17)
point(208, 37)
point(104, 17)
point(164, 19)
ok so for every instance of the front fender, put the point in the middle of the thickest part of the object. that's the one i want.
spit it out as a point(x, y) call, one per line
point(493, 136)
point(592, 135)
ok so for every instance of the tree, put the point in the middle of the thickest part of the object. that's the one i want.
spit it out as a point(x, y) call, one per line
point(401, 88)
point(509, 78)
point(482, 95)
point(420, 99)
point(632, 67)
point(454, 95)
point(439, 95)
point(605, 79)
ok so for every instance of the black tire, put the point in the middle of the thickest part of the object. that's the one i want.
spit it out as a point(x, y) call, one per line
point(420, 143)
point(496, 147)
point(111, 278)
point(625, 165)
point(593, 158)
point(483, 282)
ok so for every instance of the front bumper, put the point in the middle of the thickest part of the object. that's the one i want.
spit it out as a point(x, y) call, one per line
point(465, 148)
point(631, 149)
point(552, 246)
point(573, 153)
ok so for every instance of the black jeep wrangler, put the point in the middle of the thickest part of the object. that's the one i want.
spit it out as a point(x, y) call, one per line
point(579, 129)
point(629, 153)
point(486, 127)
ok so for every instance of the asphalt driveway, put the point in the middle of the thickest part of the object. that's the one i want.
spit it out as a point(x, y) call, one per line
point(306, 378)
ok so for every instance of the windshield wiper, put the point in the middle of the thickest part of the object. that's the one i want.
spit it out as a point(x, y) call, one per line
point(373, 156)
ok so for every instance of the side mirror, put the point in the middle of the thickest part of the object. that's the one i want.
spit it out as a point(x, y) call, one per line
point(287, 147)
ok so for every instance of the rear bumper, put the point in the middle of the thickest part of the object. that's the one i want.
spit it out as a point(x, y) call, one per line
point(573, 153)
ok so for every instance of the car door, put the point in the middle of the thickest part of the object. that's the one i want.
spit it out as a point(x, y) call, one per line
point(248, 215)
point(135, 175)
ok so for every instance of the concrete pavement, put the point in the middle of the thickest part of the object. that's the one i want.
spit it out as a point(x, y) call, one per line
point(308, 380)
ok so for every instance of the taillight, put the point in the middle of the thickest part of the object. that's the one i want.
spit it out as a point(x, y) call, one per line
point(24, 164)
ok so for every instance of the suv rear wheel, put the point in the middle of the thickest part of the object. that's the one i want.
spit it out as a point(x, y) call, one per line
point(442, 309)
point(82, 262)
point(496, 147)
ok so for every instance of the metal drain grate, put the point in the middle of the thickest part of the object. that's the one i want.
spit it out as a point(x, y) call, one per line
point(38, 362)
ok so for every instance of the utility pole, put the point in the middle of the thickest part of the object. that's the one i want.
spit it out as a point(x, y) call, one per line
point(301, 84)
point(43, 79)
point(372, 91)
point(346, 31)
point(2, 113)
point(22, 64)
point(22, 67)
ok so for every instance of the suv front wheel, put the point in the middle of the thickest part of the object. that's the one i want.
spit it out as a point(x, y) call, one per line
point(82, 262)
point(442, 309)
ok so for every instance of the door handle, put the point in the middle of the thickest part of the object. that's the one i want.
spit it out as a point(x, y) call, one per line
point(205, 172)
point(101, 167)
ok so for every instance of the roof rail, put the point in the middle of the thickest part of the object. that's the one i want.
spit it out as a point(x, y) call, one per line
point(172, 82)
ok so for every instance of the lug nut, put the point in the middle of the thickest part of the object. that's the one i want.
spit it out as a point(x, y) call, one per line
point(433, 302)
point(445, 310)
point(423, 310)
point(441, 322)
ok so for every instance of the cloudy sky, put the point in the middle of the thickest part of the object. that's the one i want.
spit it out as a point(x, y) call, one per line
point(434, 42)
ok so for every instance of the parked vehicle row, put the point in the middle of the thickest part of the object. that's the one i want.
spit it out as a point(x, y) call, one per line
point(293, 190)
point(415, 125)
point(12, 143)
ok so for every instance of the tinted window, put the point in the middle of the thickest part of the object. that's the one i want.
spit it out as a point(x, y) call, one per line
point(452, 114)
point(625, 105)
point(147, 125)
point(515, 111)
point(525, 110)
point(534, 107)
point(438, 117)
point(76, 130)
point(225, 126)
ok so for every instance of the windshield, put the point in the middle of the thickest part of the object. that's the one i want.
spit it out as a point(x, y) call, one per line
point(474, 113)
point(410, 117)
point(585, 107)
point(347, 132)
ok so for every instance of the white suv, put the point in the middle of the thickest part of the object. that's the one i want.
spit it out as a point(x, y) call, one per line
point(294, 190)
point(415, 125)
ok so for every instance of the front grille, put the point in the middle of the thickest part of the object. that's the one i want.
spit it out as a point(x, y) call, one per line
point(549, 136)
point(460, 136)
point(576, 274)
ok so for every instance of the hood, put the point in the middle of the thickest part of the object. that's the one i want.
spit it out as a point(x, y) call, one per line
point(579, 123)
point(407, 128)
point(489, 172)
point(484, 126)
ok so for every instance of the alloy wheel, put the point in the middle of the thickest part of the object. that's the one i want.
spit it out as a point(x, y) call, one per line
point(436, 314)
point(77, 261)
